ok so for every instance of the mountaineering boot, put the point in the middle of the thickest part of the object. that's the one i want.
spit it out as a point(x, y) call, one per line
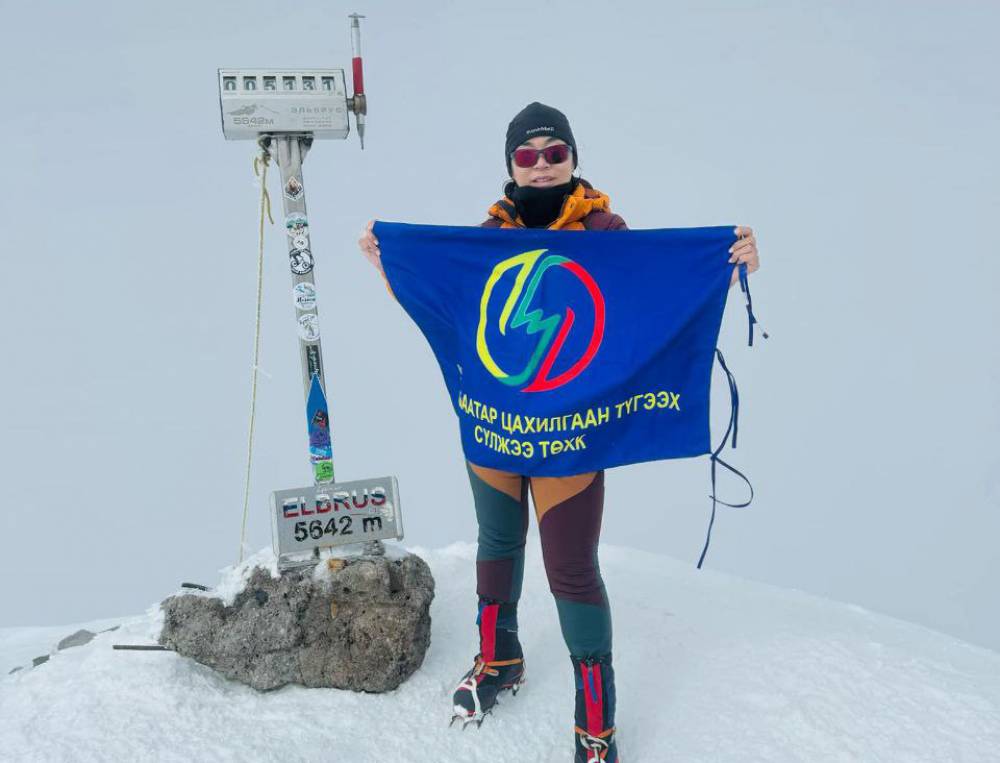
point(498, 666)
point(595, 710)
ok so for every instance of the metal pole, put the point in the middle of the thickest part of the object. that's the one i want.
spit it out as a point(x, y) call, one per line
point(289, 152)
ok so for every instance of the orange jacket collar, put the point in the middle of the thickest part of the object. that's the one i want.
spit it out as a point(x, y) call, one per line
point(581, 202)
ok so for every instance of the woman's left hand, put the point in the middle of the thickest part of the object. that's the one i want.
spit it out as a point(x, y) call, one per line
point(744, 250)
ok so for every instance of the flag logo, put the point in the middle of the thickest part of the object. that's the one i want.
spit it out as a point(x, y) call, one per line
point(554, 329)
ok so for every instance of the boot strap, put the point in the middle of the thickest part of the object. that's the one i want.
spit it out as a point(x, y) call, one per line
point(514, 661)
point(487, 667)
point(605, 733)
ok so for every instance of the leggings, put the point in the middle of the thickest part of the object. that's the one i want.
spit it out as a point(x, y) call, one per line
point(569, 511)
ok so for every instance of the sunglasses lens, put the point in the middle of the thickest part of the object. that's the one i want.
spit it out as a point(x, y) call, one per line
point(525, 157)
point(557, 154)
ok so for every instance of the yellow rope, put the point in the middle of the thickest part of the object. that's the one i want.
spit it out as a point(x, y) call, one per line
point(260, 170)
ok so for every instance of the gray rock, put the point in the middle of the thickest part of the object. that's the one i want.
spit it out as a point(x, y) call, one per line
point(365, 626)
point(81, 637)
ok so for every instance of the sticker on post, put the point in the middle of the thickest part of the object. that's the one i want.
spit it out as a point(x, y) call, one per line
point(319, 433)
point(300, 242)
point(319, 418)
point(296, 224)
point(293, 189)
point(304, 295)
point(313, 363)
point(317, 454)
point(318, 421)
point(323, 471)
point(300, 261)
point(309, 327)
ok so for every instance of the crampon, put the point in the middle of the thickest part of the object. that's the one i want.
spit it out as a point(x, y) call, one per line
point(477, 693)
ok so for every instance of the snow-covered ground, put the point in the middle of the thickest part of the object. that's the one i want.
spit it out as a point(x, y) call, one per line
point(710, 667)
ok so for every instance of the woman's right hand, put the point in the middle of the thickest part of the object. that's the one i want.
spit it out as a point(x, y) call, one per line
point(369, 247)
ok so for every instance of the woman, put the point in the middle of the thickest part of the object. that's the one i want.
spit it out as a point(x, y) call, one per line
point(543, 193)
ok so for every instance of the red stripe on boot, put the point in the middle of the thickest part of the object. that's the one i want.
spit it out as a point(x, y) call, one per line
point(488, 631)
point(595, 704)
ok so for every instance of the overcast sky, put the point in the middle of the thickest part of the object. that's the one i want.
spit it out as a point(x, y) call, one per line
point(857, 140)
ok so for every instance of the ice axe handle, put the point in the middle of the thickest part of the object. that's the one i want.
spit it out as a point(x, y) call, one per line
point(359, 103)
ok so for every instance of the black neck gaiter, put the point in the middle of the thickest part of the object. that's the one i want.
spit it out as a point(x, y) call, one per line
point(539, 207)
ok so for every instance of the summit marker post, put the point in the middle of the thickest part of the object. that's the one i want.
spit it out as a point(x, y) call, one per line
point(284, 111)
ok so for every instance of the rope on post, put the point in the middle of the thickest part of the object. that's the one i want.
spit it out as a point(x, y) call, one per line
point(260, 164)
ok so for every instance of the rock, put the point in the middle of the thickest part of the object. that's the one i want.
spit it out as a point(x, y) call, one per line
point(39, 660)
point(363, 625)
point(79, 638)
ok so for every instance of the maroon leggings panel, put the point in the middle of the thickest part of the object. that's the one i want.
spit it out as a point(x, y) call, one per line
point(570, 533)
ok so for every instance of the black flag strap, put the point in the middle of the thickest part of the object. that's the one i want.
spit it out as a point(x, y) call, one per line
point(745, 288)
point(734, 413)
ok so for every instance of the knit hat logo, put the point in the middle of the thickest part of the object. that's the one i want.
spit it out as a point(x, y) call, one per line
point(537, 118)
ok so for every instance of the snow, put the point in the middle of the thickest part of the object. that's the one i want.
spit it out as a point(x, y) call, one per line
point(710, 667)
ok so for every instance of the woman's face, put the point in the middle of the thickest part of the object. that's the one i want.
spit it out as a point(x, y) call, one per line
point(542, 174)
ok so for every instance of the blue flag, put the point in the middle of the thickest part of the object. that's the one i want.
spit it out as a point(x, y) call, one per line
point(568, 351)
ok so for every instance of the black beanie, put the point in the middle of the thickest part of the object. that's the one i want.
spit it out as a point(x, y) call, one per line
point(537, 119)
